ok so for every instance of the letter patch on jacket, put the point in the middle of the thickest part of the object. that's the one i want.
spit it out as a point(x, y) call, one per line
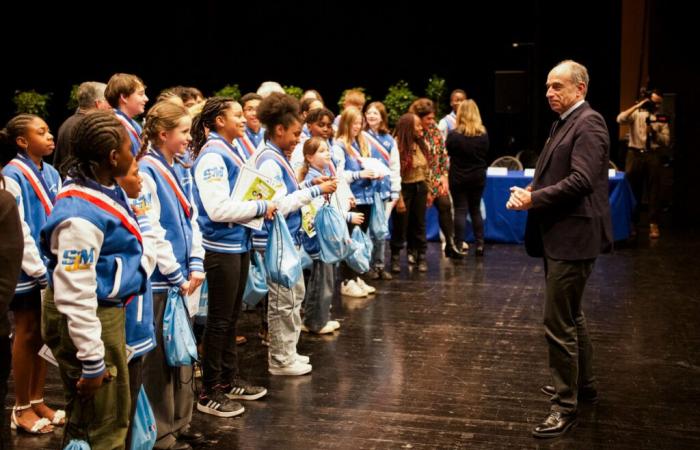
point(213, 174)
point(74, 260)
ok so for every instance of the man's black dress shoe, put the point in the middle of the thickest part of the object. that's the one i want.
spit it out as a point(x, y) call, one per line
point(555, 424)
point(190, 436)
point(584, 394)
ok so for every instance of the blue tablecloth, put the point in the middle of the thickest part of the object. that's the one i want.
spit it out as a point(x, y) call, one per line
point(503, 225)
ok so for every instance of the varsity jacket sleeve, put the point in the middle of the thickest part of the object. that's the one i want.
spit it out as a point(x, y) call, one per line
point(75, 287)
point(395, 167)
point(286, 202)
point(211, 177)
point(197, 251)
point(32, 264)
point(165, 255)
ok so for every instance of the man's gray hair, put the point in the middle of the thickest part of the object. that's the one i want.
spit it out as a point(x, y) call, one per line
point(578, 72)
point(268, 87)
point(89, 92)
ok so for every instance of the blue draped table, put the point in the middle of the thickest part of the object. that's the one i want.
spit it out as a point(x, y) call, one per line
point(503, 225)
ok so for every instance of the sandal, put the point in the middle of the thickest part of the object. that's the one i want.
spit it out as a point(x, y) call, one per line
point(59, 415)
point(39, 427)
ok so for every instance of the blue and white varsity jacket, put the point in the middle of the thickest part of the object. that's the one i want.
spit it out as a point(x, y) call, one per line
point(362, 188)
point(134, 131)
point(35, 191)
point(99, 255)
point(168, 203)
point(215, 173)
point(140, 328)
point(290, 196)
point(384, 148)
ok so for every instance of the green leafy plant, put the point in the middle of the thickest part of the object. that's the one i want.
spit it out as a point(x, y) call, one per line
point(436, 90)
point(294, 91)
point(397, 101)
point(230, 90)
point(342, 96)
point(32, 102)
point(73, 98)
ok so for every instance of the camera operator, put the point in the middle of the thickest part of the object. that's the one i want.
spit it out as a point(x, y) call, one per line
point(649, 133)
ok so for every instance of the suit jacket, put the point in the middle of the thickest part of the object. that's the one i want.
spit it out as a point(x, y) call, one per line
point(570, 214)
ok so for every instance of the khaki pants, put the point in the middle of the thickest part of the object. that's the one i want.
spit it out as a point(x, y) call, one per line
point(102, 421)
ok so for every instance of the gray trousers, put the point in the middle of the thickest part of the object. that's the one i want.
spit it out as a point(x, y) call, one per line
point(570, 349)
point(284, 321)
point(169, 389)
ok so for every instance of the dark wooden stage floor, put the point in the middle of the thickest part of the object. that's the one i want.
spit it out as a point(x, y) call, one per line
point(454, 359)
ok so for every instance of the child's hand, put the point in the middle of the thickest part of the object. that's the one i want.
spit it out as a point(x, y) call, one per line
point(319, 180)
point(357, 218)
point(271, 210)
point(87, 387)
point(328, 187)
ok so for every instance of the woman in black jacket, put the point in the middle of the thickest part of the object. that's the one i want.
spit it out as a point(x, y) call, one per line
point(468, 146)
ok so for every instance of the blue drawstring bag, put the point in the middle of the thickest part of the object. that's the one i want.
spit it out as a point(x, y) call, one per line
point(256, 284)
point(201, 317)
point(305, 259)
point(332, 235)
point(378, 223)
point(281, 256)
point(178, 339)
point(77, 444)
point(143, 430)
point(360, 258)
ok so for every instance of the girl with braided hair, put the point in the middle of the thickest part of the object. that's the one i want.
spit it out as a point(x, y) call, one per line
point(24, 141)
point(226, 244)
point(167, 200)
point(100, 256)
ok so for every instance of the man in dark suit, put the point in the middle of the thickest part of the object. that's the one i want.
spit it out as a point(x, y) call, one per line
point(569, 225)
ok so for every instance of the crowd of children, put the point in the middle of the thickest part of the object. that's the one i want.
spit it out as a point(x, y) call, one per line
point(146, 207)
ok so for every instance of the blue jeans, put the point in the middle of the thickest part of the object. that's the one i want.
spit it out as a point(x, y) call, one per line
point(378, 254)
point(319, 295)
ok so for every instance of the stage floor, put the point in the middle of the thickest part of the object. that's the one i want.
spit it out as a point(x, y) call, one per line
point(454, 358)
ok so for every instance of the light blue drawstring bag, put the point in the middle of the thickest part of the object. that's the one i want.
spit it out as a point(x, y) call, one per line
point(360, 258)
point(77, 444)
point(256, 284)
point(178, 340)
point(332, 235)
point(143, 431)
point(378, 223)
point(281, 256)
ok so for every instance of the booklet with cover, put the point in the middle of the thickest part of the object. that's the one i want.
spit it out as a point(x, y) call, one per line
point(253, 185)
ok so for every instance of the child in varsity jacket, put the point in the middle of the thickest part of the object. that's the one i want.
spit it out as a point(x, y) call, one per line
point(280, 115)
point(100, 256)
point(24, 141)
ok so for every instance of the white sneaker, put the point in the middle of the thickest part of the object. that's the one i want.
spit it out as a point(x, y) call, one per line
point(364, 286)
point(351, 289)
point(327, 329)
point(302, 358)
point(334, 323)
point(296, 368)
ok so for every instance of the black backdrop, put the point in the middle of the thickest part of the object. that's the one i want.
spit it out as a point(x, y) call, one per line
point(324, 45)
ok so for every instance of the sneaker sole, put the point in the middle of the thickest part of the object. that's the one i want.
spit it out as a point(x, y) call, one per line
point(217, 413)
point(246, 397)
point(283, 372)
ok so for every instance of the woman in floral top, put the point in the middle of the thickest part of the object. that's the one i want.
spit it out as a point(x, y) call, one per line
point(439, 191)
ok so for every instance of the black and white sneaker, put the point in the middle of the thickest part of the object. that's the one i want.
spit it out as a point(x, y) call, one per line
point(242, 390)
point(216, 404)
